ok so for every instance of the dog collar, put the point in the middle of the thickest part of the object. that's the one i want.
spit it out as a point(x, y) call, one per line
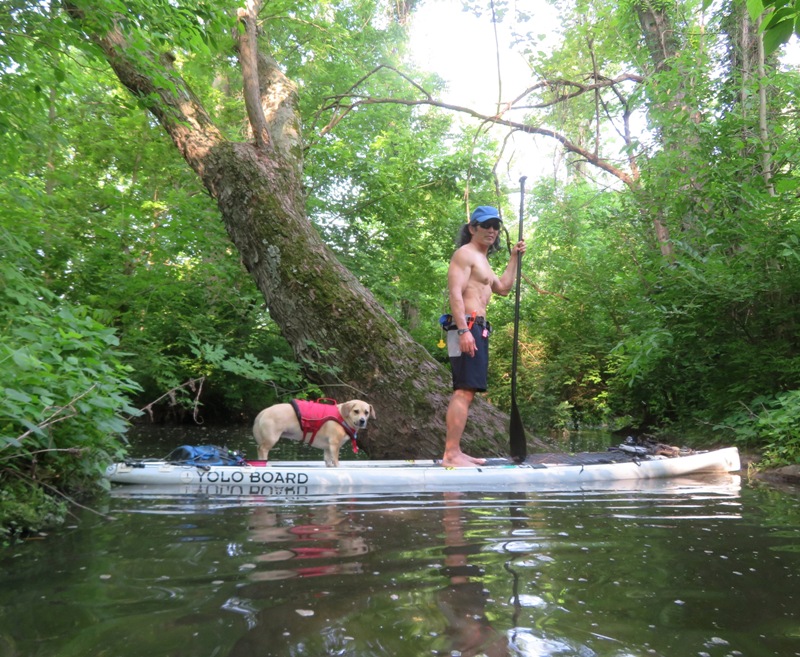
point(353, 433)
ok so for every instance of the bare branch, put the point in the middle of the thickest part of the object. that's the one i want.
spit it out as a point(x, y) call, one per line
point(195, 385)
point(569, 145)
point(342, 104)
point(599, 82)
point(342, 109)
point(497, 58)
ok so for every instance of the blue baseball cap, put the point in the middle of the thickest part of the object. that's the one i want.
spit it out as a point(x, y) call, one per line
point(484, 213)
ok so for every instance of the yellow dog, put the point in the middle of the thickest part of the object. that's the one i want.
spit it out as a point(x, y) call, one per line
point(323, 425)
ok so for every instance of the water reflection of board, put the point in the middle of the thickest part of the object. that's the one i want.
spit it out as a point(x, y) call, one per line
point(539, 471)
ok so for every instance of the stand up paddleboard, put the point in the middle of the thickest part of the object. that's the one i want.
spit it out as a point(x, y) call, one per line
point(537, 472)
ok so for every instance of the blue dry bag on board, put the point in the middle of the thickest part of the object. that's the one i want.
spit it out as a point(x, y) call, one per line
point(204, 455)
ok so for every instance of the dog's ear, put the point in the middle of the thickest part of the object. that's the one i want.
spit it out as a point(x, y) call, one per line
point(345, 408)
point(372, 413)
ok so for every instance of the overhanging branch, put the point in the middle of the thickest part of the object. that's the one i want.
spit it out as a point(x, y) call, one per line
point(497, 119)
point(342, 104)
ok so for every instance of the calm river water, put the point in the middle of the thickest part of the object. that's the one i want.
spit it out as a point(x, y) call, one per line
point(699, 567)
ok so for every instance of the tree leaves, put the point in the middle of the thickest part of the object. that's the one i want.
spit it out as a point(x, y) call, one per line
point(779, 19)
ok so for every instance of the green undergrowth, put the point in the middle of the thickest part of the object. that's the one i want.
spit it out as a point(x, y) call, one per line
point(64, 405)
point(770, 425)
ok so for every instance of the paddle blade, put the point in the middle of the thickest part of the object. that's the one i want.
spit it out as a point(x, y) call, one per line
point(517, 444)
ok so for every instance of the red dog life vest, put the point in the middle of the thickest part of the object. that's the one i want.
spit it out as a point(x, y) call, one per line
point(313, 414)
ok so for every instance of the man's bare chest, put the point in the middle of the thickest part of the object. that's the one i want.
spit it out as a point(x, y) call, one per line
point(481, 274)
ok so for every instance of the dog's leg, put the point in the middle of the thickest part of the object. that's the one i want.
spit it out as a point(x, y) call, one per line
point(266, 434)
point(334, 447)
point(263, 452)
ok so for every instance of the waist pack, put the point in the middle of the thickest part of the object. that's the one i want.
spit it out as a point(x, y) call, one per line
point(447, 323)
point(204, 455)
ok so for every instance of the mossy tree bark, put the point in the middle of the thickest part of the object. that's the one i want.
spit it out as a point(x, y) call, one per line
point(322, 309)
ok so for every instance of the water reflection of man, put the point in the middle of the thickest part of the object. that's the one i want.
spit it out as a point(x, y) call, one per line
point(463, 603)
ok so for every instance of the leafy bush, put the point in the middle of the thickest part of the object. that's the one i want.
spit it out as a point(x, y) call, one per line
point(64, 402)
point(772, 425)
point(25, 509)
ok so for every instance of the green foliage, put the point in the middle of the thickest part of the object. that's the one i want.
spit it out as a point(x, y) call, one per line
point(581, 257)
point(713, 328)
point(782, 19)
point(718, 330)
point(121, 224)
point(65, 400)
point(387, 183)
point(284, 378)
point(771, 424)
point(26, 509)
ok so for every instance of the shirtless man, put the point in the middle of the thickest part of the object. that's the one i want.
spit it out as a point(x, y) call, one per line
point(471, 282)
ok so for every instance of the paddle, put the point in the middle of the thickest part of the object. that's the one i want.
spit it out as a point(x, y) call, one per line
point(518, 446)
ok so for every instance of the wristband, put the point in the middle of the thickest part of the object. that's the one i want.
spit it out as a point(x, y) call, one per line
point(462, 331)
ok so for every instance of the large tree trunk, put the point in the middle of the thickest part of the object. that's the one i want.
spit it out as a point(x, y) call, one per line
point(322, 309)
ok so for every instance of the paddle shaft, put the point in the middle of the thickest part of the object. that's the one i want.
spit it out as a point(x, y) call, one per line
point(517, 443)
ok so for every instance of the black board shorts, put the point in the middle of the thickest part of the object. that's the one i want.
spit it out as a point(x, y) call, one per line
point(469, 372)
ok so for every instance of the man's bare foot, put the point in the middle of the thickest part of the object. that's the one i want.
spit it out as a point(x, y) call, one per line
point(461, 460)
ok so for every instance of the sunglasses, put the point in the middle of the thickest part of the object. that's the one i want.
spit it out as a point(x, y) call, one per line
point(491, 224)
